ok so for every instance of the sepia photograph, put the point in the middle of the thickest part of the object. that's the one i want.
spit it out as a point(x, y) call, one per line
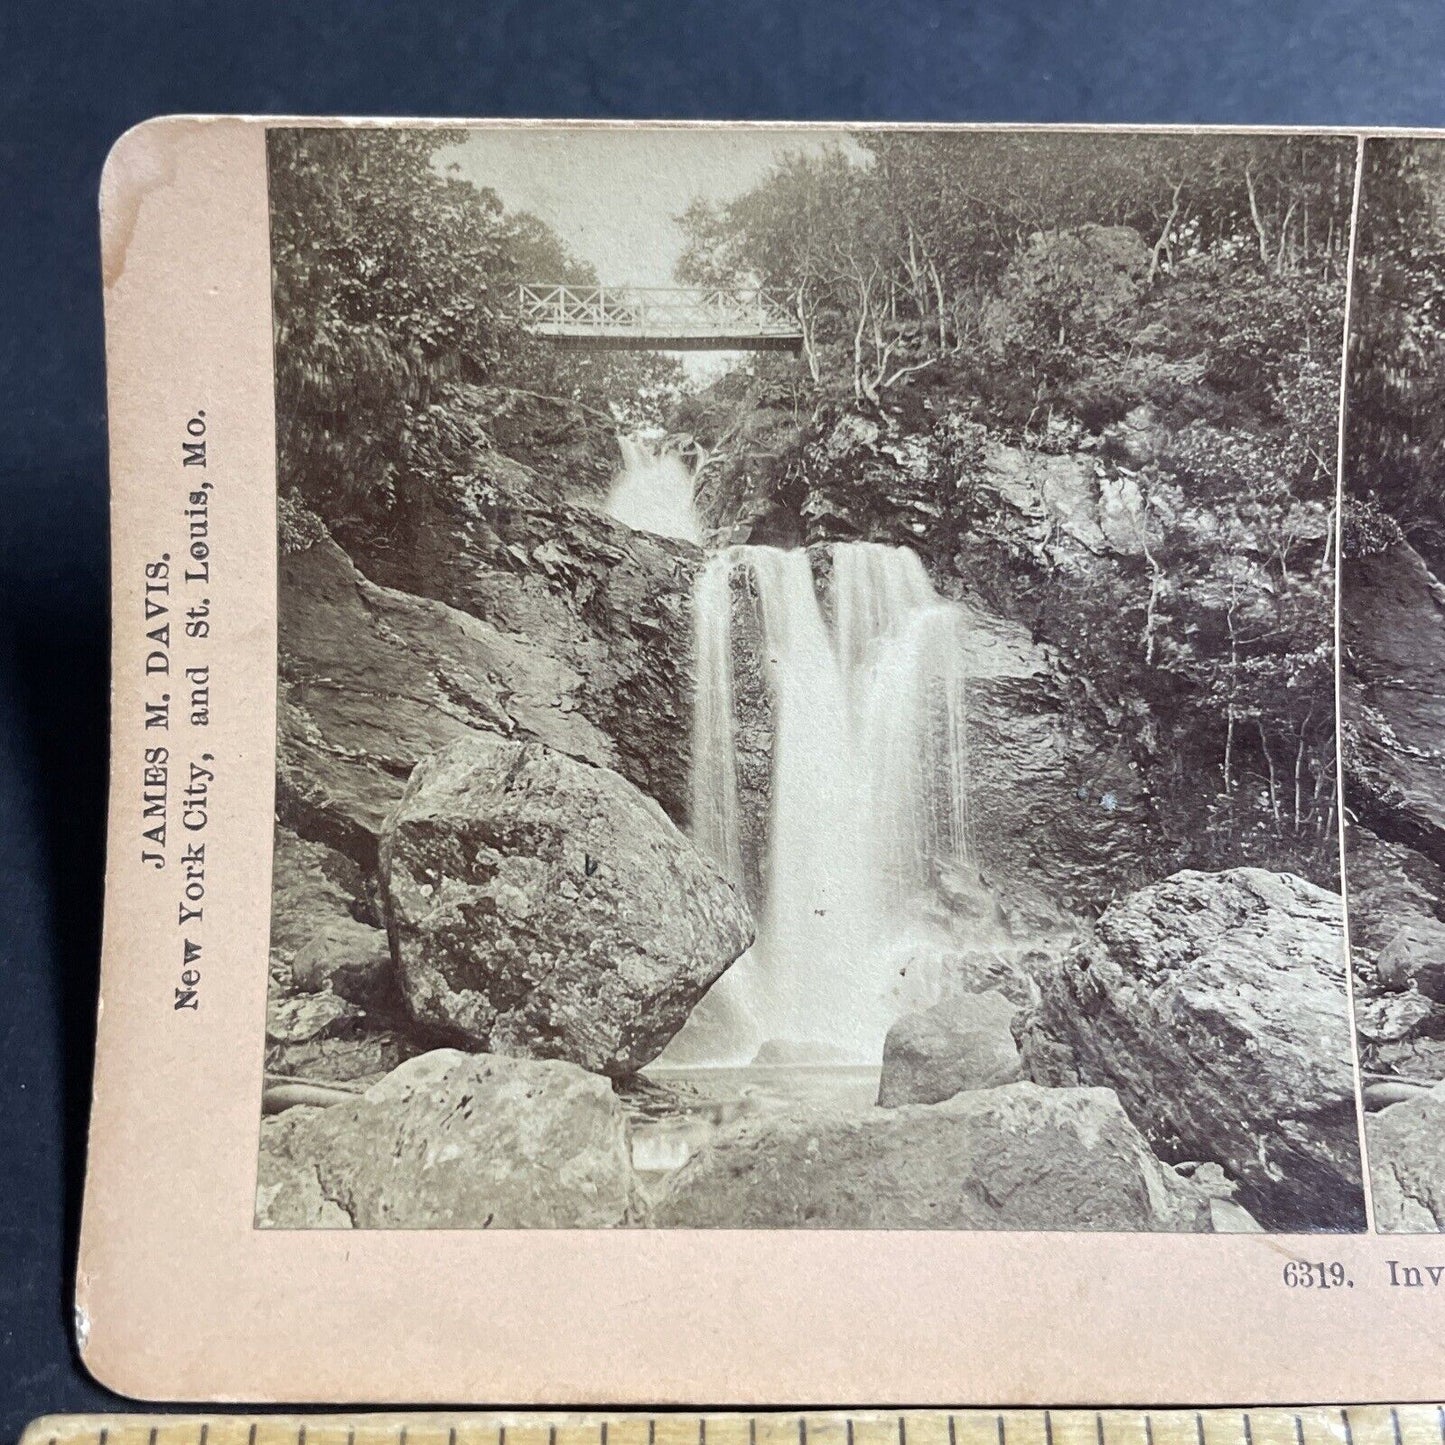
point(807, 680)
point(1392, 692)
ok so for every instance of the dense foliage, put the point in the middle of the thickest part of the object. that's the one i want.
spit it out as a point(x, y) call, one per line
point(398, 354)
point(1396, 436)
point(896, 262)
point(1168, 307)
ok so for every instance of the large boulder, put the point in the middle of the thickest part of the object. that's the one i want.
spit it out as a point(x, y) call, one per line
point(1407, 1164)
point(538, 906)
point(1015, 1157)
point(1215, 1004)
point(964, 1043)
point(454, 1141)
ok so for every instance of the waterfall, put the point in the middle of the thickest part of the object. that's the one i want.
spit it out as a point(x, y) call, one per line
point(868, 783)
point(653, 492)
point(715, 825)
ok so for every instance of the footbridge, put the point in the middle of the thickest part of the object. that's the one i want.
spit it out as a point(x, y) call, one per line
point(658, 318)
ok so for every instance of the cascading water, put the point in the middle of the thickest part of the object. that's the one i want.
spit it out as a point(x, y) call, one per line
point(868, 781)
point(653, 492)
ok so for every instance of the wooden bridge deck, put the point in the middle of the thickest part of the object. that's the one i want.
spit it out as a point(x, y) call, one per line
point(658, 318)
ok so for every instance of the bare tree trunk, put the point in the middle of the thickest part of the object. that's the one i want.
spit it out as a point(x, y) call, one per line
point(917, 283)
point(1283, 238)
point(1163, 241)
point(1255, 216)
point(1233, 683)
point(1156, 580)
point(805, 326)
point(942, 311)
point(859, 392)
point(1299, 763)
point(1321, 820)
point(1273, 773)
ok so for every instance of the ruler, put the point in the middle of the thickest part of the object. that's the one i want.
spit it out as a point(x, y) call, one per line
point(1304, 1425)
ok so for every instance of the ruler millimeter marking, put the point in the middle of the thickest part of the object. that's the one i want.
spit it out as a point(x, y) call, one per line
point(1310, 1425)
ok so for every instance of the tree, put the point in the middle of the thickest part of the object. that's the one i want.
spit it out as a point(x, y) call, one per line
point(382, 293)
point(393, 293)
point(888, 259)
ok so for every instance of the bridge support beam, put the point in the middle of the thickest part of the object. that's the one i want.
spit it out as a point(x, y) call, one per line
point(593, 342)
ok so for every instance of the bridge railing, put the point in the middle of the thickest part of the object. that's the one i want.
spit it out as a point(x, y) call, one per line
point(568, 310)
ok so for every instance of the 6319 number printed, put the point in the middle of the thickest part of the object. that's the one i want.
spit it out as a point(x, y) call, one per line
point(1319, 1274)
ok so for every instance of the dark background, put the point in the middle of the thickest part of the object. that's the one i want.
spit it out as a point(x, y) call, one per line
point(74, 75)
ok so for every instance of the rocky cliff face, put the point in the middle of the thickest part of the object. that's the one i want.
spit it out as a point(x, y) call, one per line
point(576, 634)
point(1061, 819)
point(1087, 547)
point(1393, 739)
point(964, 1043)
point(1393, 702)
point(1394, 640)
point(488, 602)
point(373, 679)
point(608, 604)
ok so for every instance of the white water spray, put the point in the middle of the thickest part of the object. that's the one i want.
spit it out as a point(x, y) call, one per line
point(653, 492)
point(869, 783)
